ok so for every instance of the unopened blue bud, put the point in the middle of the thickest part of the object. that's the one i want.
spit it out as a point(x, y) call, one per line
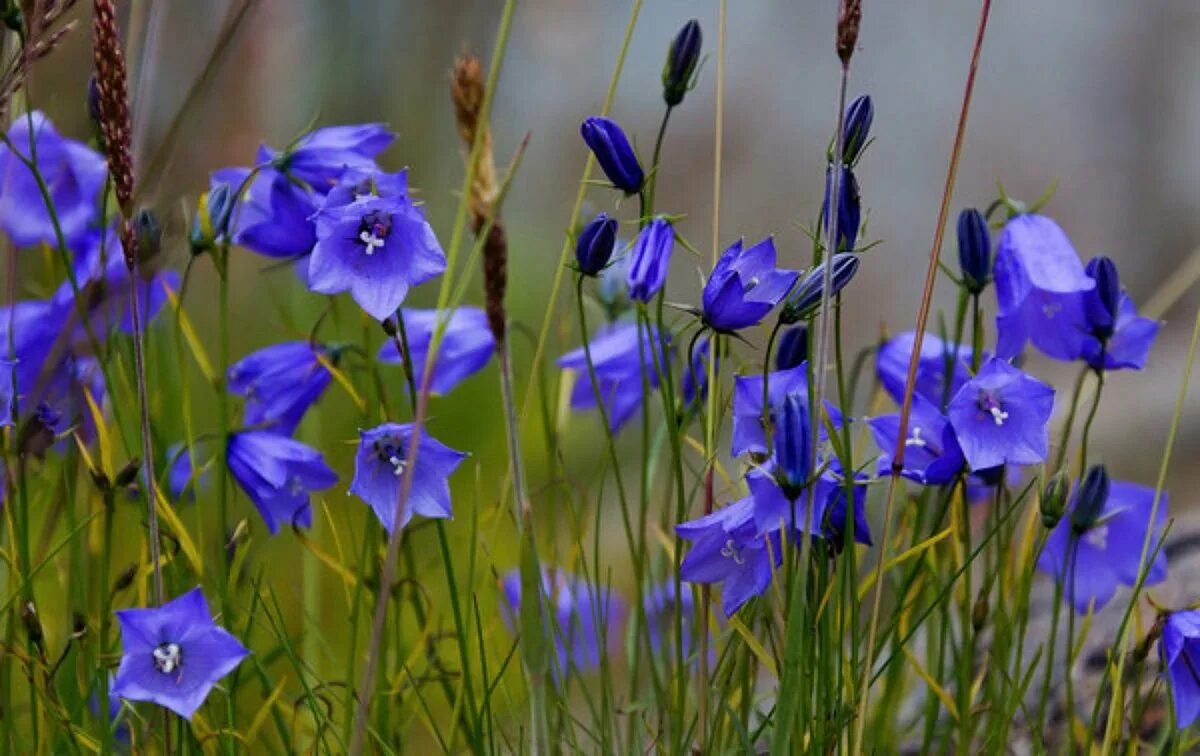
point(849, 208)
point(1103, 302)
point(1090, 499)
point(681, 63)
point(614, 153)
point(974, 250)
point(807, 297)
point(793, 348)
point(1054, 500)
point(791, 436)
point(595, 245)
point(212, 218)
point(856, 128)
point(650, 259)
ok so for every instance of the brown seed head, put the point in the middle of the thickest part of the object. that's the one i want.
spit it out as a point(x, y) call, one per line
point(849, 18)
point(115, 123)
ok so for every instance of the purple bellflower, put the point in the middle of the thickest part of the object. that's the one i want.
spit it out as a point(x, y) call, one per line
point(619, 355)
point(379, 468)
point(748, 433)
point(661, 606)
point(375, 243)
point(650, 259)
point(613, 152)
point(778, 509)
point(744, 286)
point(174, 654)
point(467, 345)
point(1103, 547)
point(793, 348)
point(1000, 417)
point(273, 217)
point(277, 473)
point(1115, 337)
point(595, 244)
point(1039, 278)
point(891, 366)
point(280, 383)
point(320, 157)
point(727, 549)
point(931, 452)
point(849, 208)
point(73, 174)
point(1179, 651)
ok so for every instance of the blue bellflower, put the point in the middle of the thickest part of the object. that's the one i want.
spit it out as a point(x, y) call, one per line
point(379, 467)
point(614, 153)
point(278, 473)
point(320, 157)
point(805, 300)
point(595, 245)
point(1107, 549)
point(619, 355)
point(74, 175)
point(1000, 417)
point(467, 345)
point(376, 245)
point(280, 383)
point(974, 250)
point(184, 475)
point(891, 367)
point(793, 348)
point(103, 279)
point(745, 286)
point(1115, 336)
point(273, 216)
point(1035, 267)
point(748, 433)
point(650, 259)
point(1179, 652)
point(174, 654)
point(661, 607)
point(849, 208)
point(931, 452)
point(727, 549)
point(777, 509)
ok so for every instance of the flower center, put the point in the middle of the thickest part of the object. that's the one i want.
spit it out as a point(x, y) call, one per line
point(373, 230)
point(168, 657)
point(732, 551)
point(915, 439)
point(1098, 537)
point(990, 405)
point(388, 451)
point(295, 486)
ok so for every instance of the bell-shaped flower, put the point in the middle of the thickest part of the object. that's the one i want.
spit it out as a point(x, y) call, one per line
point(938, 359)
point(749, 435)
point(280, 383)
point(1001, 417)
point(727, 549)
point(278, 473)
point(745, 286)
point(467, 345)
point(620, 353)
point(650, 259)
point(931, 452)
point(1179, 652)
point(614, 153)
point(320, 157)
point(380, 465)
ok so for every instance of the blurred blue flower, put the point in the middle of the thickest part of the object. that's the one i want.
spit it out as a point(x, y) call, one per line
point(1179, 652)
point(320, 157)
point(380, 464)
point(1106, 553)
point(694, 386)
point(36, 327)
point(619, 355)
point(727, 549)
point(1000, 417)
point(891, 367)
point(745, 286)
point(277, 473)
point(280, 383)
point(613, 152)
point(748, 434)
point(661, 607)
point(73, 173)
point(466, 346)
point(183, 477)
point(174, 654)
point(103, 280)
point(650, 259)
point(612, 289)
point(931, 452)
point(1038, 279)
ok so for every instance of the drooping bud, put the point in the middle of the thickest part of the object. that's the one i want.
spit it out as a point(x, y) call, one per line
point(856, 129)
point(791, 436)
point(33, 625)
point(38, 433)
point(149, 234)
point(650, 258)
point(1090, 499)
point(1054, 500)
point(678, 71)
point(793, 348)
point(807, 297)
point(1104, 302)
point(974, 250)
point(614, 153)
point(849, 208)
point(595, 245)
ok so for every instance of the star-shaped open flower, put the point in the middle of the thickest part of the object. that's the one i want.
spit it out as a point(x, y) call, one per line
point(277, 473)
point(173, 655)
point(280, 383)
point(931, 452)
point(727, 549)
point(745, 286)
point(1179, 651)
point(380, 465)
point(1000, 417)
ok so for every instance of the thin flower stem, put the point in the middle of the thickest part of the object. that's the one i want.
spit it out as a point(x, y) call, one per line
point(910, 381)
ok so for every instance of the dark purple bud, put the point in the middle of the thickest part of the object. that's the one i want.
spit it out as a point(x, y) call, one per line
point(791, 436)
point(807, 297)
point(614, 153)
point(1054, 500)
point(650, 259)
point(149, 234)
point(93, 101)
point(1103, 302)
point(856, 129)
point(974, 250)
point(681, 63)
point(595, 245)
point(793, 348)
point(849, 208)
point(1090, 499)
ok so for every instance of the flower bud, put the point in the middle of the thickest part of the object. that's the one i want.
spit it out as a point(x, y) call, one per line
point(650, 258)
point(1090, 499)
point(856, 129)
point(149, 234)
point(33, 625)
point(595, 245)
point(849, 208)
point(793, 348)
point(974, 250)
point(807, 297)
point(614, 153)
point(212, 218)
point(791, 436)
point(93, 102)
point(1104, 302)
point(681, 63)
point(1054, 500)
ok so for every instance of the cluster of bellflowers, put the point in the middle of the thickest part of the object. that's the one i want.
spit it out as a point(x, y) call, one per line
point(978, 421)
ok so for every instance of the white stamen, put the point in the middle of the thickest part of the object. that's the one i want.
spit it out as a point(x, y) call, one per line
point(732, 551)
point(998, 415)
point(1098, 537)
point(167, 658)
point(371, 241)
point(397, 465)
point(295, 486)
point(916, 439)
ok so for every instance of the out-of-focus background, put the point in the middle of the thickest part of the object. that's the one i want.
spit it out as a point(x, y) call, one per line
point(1102, 98)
